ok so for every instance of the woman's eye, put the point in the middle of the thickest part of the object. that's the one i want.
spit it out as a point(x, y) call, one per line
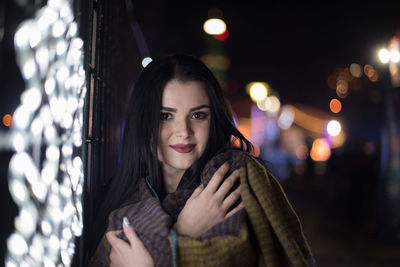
point(165, 116)
point(199, 115)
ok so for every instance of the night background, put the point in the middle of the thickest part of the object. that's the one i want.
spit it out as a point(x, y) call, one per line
point(308, 53)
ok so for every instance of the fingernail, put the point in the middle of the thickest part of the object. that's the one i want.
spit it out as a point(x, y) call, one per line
point(126, 221)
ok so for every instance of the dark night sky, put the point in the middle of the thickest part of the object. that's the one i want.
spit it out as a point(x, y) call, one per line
point(293, 47)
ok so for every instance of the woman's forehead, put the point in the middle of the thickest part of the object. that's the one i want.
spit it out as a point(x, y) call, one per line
point(184, 93)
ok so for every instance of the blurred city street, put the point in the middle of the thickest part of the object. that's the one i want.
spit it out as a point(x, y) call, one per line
point(333, 240)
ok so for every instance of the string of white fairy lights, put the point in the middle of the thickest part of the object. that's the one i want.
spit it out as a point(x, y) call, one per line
point(46, 172)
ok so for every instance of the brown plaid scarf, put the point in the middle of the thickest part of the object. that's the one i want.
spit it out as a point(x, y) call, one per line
point(267, 232)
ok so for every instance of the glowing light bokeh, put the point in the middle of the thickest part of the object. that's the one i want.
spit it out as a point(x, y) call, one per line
point(333, 127)
point(7, 119)
point(146, 61)
point(335, 105)
point(302, 152)
point(214, 26)
point(46, 172)
point(286, 118)
point(371, 73)
point(270, 104)
point(257, 91)
point(342, 88)
point(394, 56)
point(384, 55)
point(223, 36)
point(355, 70)
point(320, 150)
point(308, 121)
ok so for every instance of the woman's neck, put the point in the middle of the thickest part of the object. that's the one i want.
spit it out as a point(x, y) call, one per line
point(171, 177)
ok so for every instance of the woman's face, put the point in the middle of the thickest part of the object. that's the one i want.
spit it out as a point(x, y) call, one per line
point(184, 125)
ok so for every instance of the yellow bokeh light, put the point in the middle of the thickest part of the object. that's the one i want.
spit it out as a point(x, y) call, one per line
point(258, 91)
point(214, 26)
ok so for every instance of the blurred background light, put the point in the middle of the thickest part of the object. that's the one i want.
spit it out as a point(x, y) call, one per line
point(370, 72)
point(384, 55)
point(320, 150)
point(355, 70)
point(333, 127)
point(257, 90)
point(342, 88)
point(308, 121)
point(395, 56)
point(302, 152)
point(223, 36)
point(335, 105)
point(214, 26)
point(146, 61)
point(286, 117)
point(7, 119)
point(50, 116)
point(270, 104)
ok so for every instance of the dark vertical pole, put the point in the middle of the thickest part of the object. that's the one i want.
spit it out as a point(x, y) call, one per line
point(112, 63)
point(390, 168)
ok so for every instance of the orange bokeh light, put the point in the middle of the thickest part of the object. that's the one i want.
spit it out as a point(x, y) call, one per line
point(7, 119)
point(320, 150)
point(335, 105)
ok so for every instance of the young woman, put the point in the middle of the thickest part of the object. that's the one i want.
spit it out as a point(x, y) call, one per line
point(186, 191)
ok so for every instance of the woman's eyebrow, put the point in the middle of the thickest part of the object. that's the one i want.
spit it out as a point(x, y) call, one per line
point(199, 107)
point(168, 109)
point(192, 109)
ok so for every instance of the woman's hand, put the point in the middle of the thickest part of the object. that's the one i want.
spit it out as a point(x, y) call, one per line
point(124, 254)
point(208, 206)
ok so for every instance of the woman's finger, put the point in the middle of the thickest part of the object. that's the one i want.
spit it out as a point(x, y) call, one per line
point(227, 184)
point(231, 199)
point(112, 236)
point(217, 177)
point(130, 232)
point(233, 211)
point(197, 191)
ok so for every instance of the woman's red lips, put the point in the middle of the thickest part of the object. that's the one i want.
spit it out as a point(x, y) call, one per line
point(183, 148)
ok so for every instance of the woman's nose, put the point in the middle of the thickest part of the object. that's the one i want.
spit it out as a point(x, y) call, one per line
point(183, 129)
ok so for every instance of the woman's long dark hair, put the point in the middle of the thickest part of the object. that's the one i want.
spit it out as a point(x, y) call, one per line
point(138, 157)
